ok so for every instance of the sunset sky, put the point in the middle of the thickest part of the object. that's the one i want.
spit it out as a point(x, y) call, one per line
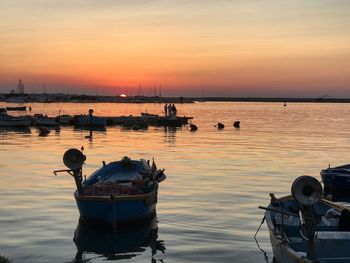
point(216, 48)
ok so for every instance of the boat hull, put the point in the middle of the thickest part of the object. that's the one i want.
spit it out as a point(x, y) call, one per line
point(116, 209)
point(46, 122)
point(21, 108)
point(90, 122)
point(283, 253)
point(330, 245)
point(337, 182)
point(14, 123)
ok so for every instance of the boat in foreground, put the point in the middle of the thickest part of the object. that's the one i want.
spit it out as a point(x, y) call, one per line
point(305, 228)
point(336, 181)
point(118, 192)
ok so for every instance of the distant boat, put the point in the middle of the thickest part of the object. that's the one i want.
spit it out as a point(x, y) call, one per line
point(305, 228)
point(11, 121)
point(336, 181)
point(65, 119)
point(20, 108)
point(41, 120)
point(90, 121)
point(118, 192)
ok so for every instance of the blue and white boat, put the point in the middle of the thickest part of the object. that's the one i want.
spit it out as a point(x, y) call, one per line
point(307, 229)
point(336, 181)
point(121, 191)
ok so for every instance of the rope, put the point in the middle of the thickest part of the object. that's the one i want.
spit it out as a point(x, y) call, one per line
point(257, 242)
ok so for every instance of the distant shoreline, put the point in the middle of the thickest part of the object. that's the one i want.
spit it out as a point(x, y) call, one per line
point(74, 98)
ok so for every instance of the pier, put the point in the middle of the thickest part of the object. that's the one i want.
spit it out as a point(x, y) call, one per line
point(130, 121)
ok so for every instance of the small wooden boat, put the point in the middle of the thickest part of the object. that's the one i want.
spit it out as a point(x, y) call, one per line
point(336, 181)
point(19, 108)
point(307, 229)
point(11, 121)
point(118, 192)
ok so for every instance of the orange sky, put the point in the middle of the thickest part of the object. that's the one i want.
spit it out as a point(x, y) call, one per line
point(223, 48)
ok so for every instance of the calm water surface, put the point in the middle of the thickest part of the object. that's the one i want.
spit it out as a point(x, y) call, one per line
point(207, 209)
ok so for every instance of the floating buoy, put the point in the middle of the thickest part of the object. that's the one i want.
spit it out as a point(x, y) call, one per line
point(220, 126)
point(43, 131)
point(236, 124)
point(193, 127)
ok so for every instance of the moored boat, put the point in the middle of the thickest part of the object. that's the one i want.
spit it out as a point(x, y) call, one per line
point(307, 229)
point(89, 121)
point(118, 192)
point(11, 121)
point(43, 120)
point(65, 119)
point(336, 181)
point(19, 108)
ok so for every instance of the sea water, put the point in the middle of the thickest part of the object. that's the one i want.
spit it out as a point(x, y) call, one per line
point(207, 207)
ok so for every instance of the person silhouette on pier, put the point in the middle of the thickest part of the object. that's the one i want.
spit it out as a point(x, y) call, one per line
point(170, 110)
point(166, 109)
point(173, 110)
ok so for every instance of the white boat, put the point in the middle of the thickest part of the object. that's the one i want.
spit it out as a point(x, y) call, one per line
point(11, 121)
point(307, 229)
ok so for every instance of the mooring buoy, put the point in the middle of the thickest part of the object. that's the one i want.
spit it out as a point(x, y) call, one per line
point(236, 124)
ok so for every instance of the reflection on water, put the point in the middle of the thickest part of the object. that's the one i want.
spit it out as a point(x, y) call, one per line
point(101, 129)
point(170, 134)
point(207, 207)
point(124, 242)
point(90, 131)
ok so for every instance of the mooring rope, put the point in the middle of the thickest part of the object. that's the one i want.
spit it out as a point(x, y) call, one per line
point(257, 242)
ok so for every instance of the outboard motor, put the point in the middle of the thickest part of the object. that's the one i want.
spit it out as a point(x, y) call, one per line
point(307, 191)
